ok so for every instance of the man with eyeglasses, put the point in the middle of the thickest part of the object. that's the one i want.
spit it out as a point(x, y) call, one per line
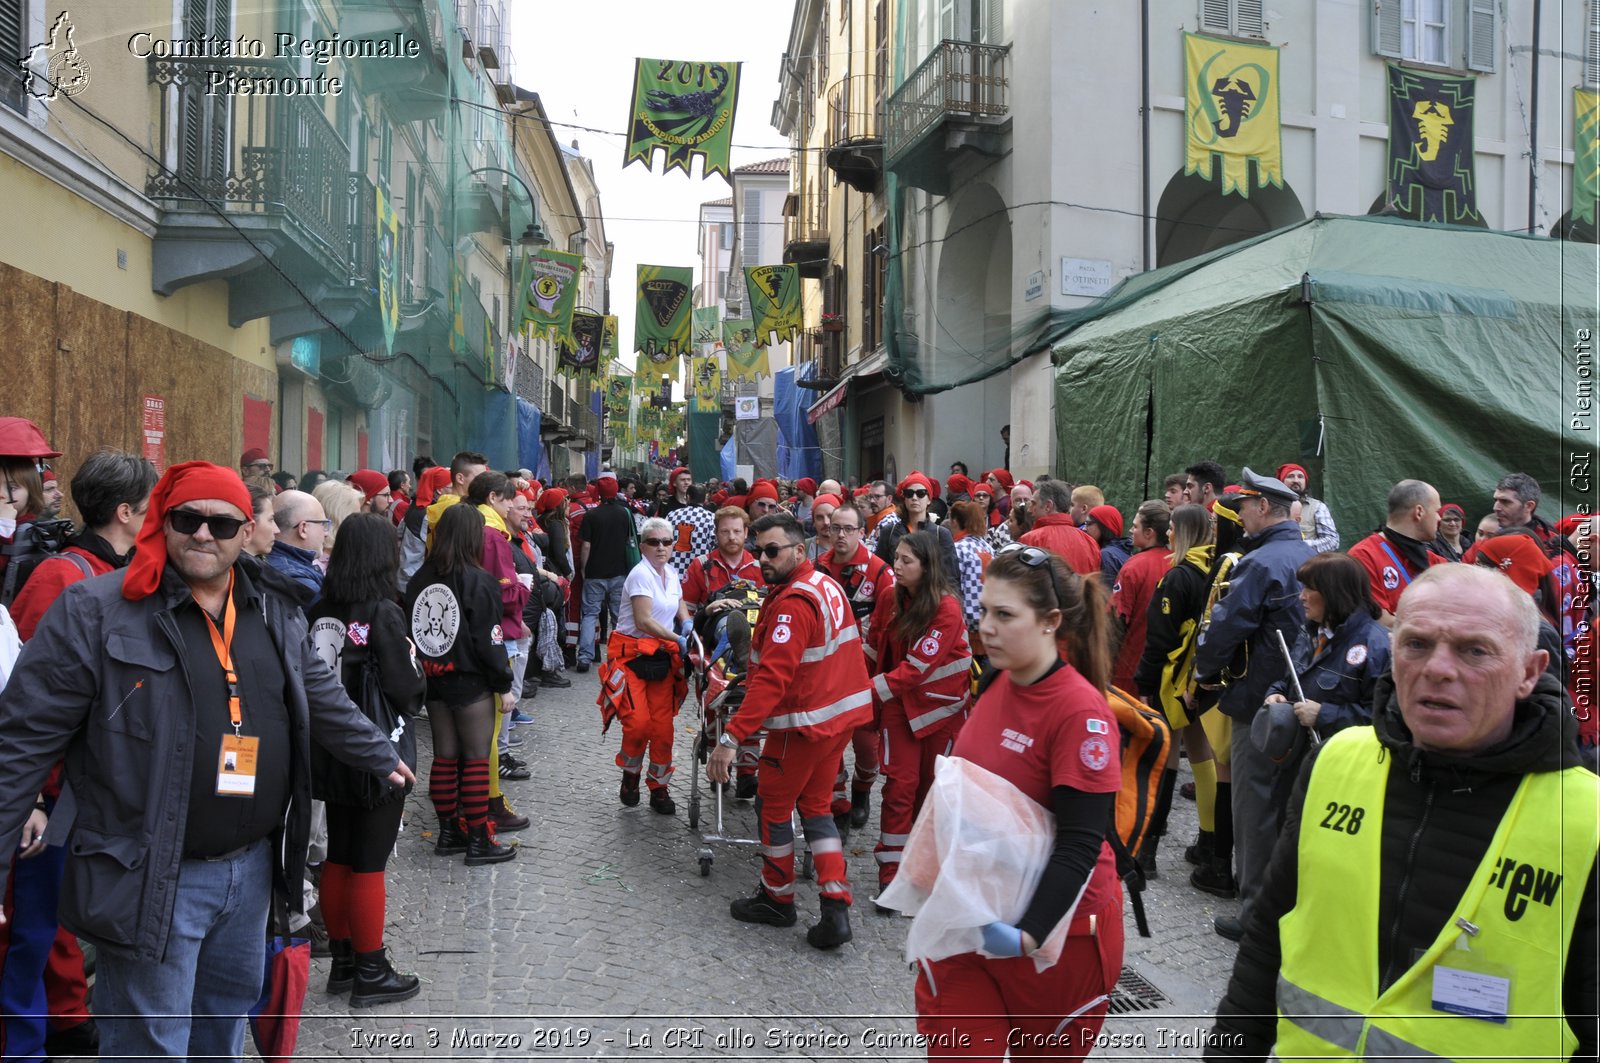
point(256, 468)
point(809, 690)
point(183, 692)
point(302, 528)
point(864, 577)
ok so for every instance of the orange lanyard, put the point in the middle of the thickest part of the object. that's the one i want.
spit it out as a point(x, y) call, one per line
point(222, 645)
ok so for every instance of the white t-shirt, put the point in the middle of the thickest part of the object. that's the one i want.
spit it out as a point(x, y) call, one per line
point(664, 593)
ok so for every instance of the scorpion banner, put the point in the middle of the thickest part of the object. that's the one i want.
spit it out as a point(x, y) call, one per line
point(1232, 112)
point(774, 294)
point(1430, 147)
point(686, 109)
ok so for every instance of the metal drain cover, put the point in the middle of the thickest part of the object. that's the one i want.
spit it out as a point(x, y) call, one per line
point(1134, 993)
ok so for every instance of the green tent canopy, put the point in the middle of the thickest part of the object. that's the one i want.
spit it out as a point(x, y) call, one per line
point(1368, 349)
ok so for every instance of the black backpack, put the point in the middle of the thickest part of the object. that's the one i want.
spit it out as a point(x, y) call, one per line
point(34, 542)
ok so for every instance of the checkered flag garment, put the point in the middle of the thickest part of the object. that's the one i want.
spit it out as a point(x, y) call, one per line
point(698, 540)
point(872, 540)
point(999, 537)
point(972, 557)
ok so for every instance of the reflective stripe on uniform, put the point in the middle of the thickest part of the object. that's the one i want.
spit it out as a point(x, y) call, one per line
point(956, 667)
point(1319, 1016)
point(927, 719)
point(813, 717)
point(632, 764)
point(880, 686)
point(813, 654)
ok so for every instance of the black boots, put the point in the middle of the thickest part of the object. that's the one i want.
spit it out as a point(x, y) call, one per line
point(1203, 849)
point(1216, 878)
point(377, 982)
point(833, 929)
point(342, 975)
point(629, 794)
point(1147, 857)
point(763, 909)
point(483, 849)
point(661, 801)
point(452, 837)
point(744, 789)
point(860, 807)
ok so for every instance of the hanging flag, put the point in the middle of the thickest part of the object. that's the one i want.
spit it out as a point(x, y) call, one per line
point(458, 322)
point(1231, 112)
point(1431, 163)
point(685, 109)
point(746, 361)
point(550, 289)
point(661, 329)
point(580, 353)
point(655, 451)
point(388, 269)
point(774, 293)
point(1585, 153)
point(706, 396)
point(705, 327)
point(619, 396)
point(609, 344)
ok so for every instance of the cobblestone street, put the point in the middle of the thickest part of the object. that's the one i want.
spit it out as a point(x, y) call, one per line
point(603, 940)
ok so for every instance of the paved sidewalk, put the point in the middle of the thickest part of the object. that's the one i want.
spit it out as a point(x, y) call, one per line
point(603, 940)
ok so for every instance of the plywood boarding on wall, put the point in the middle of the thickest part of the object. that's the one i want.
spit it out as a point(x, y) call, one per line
point(80, 368)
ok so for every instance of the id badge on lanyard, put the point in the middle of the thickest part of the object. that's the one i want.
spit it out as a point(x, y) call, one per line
point(236, 760)
point(1466, 984)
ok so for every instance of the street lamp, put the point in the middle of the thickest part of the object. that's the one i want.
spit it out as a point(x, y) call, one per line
point(533, 237)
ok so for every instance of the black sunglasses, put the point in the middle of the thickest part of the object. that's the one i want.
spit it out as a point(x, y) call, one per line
point(187, 522)
point(772, 550)
point(915, 492)
point(658, 542)
point(1034, 557)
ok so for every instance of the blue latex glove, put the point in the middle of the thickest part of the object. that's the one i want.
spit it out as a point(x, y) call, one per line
point(683, 646)
point(1002, 940)
point(686, 625)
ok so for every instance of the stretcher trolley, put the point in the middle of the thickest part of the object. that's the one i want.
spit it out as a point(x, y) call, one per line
point(718, 693)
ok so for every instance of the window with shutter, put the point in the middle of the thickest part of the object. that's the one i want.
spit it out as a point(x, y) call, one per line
point(1214, 16)
point(1386, 32)
point(1249, 20)
point(750, 239)
point(1481, 18)
point(13, 27)
point(994, 22)
point(1591, 46)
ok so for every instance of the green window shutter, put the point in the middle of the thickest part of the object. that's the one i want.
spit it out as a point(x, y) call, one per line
point(1386, 28)
point(1481, 16)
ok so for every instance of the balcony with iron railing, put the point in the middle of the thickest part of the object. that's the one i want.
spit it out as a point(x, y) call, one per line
point(855, 139)
point(412, 89)
point(805, 228)
point(954, 103)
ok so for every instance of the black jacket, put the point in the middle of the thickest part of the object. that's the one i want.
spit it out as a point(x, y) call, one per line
point(1440, 813)
point(103, 681)
point(345, 637)
point(455, 625)
point(1179, 598)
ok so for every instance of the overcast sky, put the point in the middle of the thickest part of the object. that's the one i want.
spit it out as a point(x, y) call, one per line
point(579, 57)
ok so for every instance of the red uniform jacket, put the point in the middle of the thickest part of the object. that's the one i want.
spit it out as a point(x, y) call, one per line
point(709, 574)
point(1389, 576)
point(866, 580)
point(807, 669)
point(930, 680)
point(1056, 533)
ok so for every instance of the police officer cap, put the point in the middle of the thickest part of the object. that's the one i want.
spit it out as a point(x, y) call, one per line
point(1277, 732)
point(1253, 484)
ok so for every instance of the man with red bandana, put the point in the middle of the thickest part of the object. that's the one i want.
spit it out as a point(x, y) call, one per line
point(1316, 522)
point(808, 688)
point(192, 782)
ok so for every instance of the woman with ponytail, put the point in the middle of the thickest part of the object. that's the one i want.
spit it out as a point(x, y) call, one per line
point(1043, 725)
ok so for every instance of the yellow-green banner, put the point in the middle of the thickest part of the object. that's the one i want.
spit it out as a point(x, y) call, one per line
point(661, 329)
point(1585, 153)
point(388, 269)
point(774, 293)
point(1231, 113)
point(550, 290)
point(746, 361)
point(706, 377)
point(685, 109)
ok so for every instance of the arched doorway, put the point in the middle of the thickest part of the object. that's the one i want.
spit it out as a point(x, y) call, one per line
point(1194, 216)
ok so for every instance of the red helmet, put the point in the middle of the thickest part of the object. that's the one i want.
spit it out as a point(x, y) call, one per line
point(21, 438)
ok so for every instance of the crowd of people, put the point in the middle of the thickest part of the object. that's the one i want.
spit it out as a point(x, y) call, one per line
point(224, 673)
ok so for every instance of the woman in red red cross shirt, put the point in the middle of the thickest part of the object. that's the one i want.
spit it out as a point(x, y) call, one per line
point(921, 683)
point(1043, 725)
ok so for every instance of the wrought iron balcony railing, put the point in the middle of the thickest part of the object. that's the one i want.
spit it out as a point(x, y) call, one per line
point(958, 78)
point(854, 106)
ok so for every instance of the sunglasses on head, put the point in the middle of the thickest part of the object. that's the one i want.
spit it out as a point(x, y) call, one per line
point(187, 522)
point(915, 492)
point(658, 542)
point(1033, 557)
point(772, 550)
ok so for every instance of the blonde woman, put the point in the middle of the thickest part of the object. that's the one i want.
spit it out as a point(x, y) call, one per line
point(339, 501)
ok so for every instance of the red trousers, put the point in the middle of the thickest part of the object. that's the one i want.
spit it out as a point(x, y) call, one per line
point(797, 771)
point(974, 1007)
point(653, 732)
point(864, 740)
point(908, 763)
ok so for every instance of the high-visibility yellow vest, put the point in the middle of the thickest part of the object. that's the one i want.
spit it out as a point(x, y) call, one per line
point(1522, 901)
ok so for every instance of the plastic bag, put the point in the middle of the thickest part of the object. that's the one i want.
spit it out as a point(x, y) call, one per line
point(974, 856)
